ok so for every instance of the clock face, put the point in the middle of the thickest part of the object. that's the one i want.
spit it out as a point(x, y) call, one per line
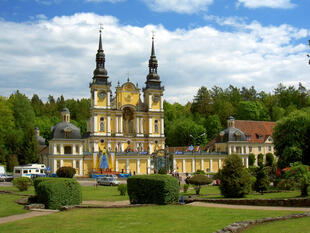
point(102, 95)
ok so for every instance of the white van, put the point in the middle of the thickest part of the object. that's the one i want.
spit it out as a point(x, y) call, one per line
point(29, 170)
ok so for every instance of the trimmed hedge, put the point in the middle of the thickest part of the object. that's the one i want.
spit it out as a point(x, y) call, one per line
point(55, 192)
point(22, 183)
point(153, 189)
point(38, 180)
point(66, 172)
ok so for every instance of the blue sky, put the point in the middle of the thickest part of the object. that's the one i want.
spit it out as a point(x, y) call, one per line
point(49, 46)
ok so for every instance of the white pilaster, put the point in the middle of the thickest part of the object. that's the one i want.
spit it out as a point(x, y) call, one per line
point(174, 165)
point(247, 162)
point(116, 124)
point(150, 126)
point(55, 150)
point(73, 163)
point(148, 166)
point(73, 149)
point(202, 168)
point(108, 99)
point(94, 160)
point(220, 163)
point(95, 123)
point(127, 166)
point(96, 148)
point(121, 125)
point(61, 149)
point(116, 165)
point(141, 125)
point(81, 168)
point(61, 163)
point(150, 102)
point(122, 146)
point(95, 97)
point(229, 151)
point(211, 165)
point(161, 103)
point(81, 149)
point(162, 126)
point(109, 125)
point(109, 146)
point(193, 165)
point(55, 165)
point(137, 125)
point(183, 166)
point(151, 148)
point(138, 166)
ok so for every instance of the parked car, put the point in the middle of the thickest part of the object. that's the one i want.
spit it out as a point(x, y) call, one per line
point(5, 177)
point(107, 181)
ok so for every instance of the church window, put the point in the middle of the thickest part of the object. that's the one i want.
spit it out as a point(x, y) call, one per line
point(77, 164)
point(67, 134)
point(68, 150)
point(102, 124)
point(156, 126)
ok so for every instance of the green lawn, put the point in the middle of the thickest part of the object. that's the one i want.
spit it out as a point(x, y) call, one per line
point(214, 192)
point(102, 193)
point(300, 225)
point(30, 191)
point(170, 218)
point(8, 205)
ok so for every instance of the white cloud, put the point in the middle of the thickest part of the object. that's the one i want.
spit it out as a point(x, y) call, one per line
point(284, 4)
point(57, 56)
point(179, 6)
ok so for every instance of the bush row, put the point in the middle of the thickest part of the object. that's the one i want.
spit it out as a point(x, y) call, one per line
point(153, 189)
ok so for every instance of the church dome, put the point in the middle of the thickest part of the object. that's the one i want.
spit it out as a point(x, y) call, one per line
point(66, 130)
point(231, 135)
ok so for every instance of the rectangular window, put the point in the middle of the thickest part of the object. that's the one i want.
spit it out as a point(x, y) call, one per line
point(17, 171)
point(259, 148)
point(77, 148)
point(37, 170)
point(250, 149)
point(25, 171)
point(58, 164)
point(58, 149)
point(269, 148)
point(77, 164)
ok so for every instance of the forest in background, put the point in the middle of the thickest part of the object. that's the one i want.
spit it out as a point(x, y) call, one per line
point(194, 123)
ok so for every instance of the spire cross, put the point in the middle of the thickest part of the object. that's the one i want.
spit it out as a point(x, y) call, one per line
point(100, 27)
point(153, 34)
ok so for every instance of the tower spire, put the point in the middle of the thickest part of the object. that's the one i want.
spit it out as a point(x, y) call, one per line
point(100, 73)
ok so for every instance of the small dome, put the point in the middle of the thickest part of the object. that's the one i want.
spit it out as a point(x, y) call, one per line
point(65, 110)
point(66, 130)
point(231, 135)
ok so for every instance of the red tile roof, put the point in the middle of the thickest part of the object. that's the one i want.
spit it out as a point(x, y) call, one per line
point(258, 131)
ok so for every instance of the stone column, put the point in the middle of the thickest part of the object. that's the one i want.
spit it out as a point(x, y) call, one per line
point(95, 123)
point(55, 165)
point(148, 166)
point(184, 168)
point(95, 97)
point(73, 149)
point(141, 125)
point(109, 125)
point(220, 163)
point(202, 168)
point(247, 162)
point(127, 165)
point(61, 163)
point(116, 165)
point(121, 124)
point(150, 102)
point(211, 165)
point(61, 149)
point(150, 126)
point(81, 149)
point(229, 149)
point(116, 124)
point(161, 103)
point(55, 149)
point(174, 164)
point(162, 126)
point(193, 165)
point(138, 166)
point(73, 163)
point(122, 146)
point(137, 125)
point(108, 99)
point(81, 169)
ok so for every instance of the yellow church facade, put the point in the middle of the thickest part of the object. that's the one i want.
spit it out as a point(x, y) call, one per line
point(123, 130)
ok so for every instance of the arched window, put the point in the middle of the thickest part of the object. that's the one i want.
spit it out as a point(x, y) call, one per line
point(102, 124)
point(156, 126)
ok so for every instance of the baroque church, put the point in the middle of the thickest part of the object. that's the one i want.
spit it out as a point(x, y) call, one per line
point(127, 127)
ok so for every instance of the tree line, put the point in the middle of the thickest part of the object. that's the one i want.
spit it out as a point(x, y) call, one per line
point(194, 123)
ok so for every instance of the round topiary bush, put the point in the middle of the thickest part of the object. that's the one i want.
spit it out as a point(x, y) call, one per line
point(66, 172)
point(162, 170)
point(198, 181)
point(22, 183)
point(236, 180)
point(122, 188)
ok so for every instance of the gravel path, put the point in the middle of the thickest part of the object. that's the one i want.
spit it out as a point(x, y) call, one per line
point(249, 207)
point(31, 214)
point(107, 203)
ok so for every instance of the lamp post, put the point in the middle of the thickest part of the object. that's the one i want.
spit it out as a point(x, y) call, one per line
point(194, 142)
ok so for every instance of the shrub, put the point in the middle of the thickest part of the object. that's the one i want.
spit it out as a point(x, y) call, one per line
point(260, 160)
point(269, 159)
point(185, 187)
point(286, 184)
point(55, 193)
point(236, 181)
point(22, 183)
point(198, 181)
point(199, 172)
point(155, 189)
point(301, 176)
point(122, 188)
point(38, 180)
point(12, 160)
point(262, 181)
point(66, 172)
point(162, 170)
point(251, 160)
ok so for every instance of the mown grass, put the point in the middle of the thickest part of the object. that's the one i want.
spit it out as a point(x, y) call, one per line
point(102, 193)
point(8, 206)
point(170, 218)
point(300, 225)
